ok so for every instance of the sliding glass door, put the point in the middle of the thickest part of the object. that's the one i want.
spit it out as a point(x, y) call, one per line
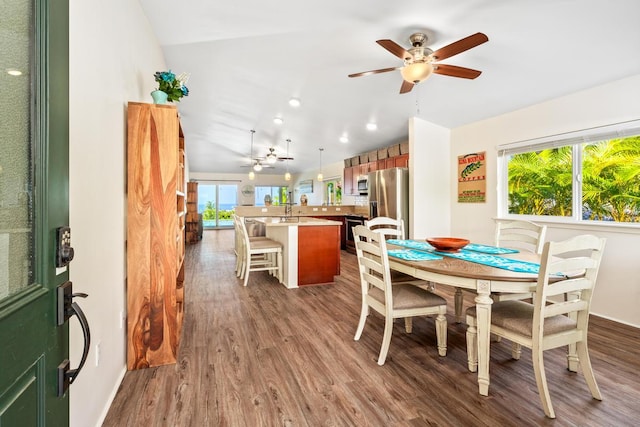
point(217, 203)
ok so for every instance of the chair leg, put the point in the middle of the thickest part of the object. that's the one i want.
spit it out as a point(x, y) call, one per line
point(386, 340)
point(516, 350)
point(537, 355)
point(441, 331)
point(408, 324)
point(246, 269)
point(364, 312)
point(472, 344)
point(280, 271)
point(587, 370)
point(458, 298)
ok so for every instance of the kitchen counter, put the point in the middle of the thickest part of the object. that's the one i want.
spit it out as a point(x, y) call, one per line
point(302, 211)
point(310, 248)
point(294, 220)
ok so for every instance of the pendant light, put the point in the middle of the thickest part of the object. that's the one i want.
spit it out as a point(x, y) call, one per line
point(252, 175)
point(287, 175)
point(320, 176)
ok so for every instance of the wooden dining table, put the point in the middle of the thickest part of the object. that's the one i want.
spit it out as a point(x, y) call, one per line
point(481, 279)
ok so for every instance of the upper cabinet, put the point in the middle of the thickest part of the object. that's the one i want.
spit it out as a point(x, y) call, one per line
point(155, 234)
point(395, 156)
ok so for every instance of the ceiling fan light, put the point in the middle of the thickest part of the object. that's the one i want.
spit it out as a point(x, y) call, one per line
point(271, 158)
point(257, 167)
point(416, 72)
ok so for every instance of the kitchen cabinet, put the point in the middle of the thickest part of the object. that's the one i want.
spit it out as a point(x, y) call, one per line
point(365, 168)
point(318, 254)
point(352, 173)
point(343, 228)
point(401, 161)
point(156, 211)
point(348, 181)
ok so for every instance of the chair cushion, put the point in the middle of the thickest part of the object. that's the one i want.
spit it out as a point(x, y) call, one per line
point(265, 244)
point(517, 316)
point(409, 296)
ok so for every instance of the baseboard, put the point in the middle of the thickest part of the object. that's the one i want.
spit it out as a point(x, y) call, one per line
point(112, 396)
point(614, 320)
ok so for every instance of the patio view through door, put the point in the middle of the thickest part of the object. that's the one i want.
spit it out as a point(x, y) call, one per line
point(217, 203)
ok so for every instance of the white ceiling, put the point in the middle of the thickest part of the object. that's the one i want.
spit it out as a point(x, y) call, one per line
point(247, 59)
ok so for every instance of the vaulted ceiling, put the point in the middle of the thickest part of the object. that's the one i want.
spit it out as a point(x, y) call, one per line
point(247, 59)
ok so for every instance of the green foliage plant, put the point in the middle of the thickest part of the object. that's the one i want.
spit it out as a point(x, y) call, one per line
point(173, 86)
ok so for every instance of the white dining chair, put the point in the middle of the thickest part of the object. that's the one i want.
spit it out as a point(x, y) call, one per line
point(258, 255)
point(567, 267)
point(516, 234)
point(393, 228)
point(392, 301)
point(239, 242)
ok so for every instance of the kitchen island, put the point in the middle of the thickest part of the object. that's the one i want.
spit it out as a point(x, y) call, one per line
point(311, 248)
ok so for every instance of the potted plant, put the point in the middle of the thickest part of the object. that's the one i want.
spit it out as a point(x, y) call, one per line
point(170, 87)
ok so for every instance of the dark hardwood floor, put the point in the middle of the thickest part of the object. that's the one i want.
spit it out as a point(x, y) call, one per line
point(268, 356)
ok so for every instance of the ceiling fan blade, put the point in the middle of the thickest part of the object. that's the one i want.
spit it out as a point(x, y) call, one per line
point(460, 46)
point(285, 158)
point(381, 70)
point(394, 48)
point(406, 86)
point(455, 71)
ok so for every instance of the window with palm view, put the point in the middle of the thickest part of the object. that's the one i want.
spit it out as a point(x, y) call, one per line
point(594, 178)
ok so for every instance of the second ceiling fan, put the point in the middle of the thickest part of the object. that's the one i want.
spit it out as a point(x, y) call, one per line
point(420, 61)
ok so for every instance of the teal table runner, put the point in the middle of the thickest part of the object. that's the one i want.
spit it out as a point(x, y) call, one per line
point(412, 255)
point(424, 246)
point(467, 255)
point(486, 249)
point(495, 261)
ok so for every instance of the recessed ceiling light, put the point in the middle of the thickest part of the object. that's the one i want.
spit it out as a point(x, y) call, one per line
point(372, 126)
point(294, 102)
point(13, 72)
point(278, 120)
point(344, 139)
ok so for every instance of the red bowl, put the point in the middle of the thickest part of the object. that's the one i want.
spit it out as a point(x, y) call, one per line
point(447, 244)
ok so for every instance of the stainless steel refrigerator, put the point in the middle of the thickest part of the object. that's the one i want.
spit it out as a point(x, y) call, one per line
point(389, 195)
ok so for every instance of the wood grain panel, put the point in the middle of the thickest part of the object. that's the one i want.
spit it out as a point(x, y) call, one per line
point(151, 235)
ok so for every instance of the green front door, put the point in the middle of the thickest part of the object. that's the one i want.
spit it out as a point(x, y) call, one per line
point(34, 135)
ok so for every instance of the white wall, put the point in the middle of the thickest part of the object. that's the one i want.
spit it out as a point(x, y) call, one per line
point(617, 295)
point(429, 188)
point(114, 54)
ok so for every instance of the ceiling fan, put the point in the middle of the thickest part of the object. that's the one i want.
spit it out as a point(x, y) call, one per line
point(420, 61)
point(271, 158)
point(257, 165)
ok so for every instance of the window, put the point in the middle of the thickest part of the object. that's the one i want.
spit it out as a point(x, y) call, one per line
point(275, 196)
point(588, 176)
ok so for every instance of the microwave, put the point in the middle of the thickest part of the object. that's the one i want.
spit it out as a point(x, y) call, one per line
point(363, 185)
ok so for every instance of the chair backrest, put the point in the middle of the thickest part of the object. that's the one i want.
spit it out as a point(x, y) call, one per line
point(242, 238)
point(521, 235)
point(390, 227)
point(567, 259)
point(373, 261)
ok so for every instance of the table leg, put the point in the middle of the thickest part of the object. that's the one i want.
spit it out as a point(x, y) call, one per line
point(483, 316)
